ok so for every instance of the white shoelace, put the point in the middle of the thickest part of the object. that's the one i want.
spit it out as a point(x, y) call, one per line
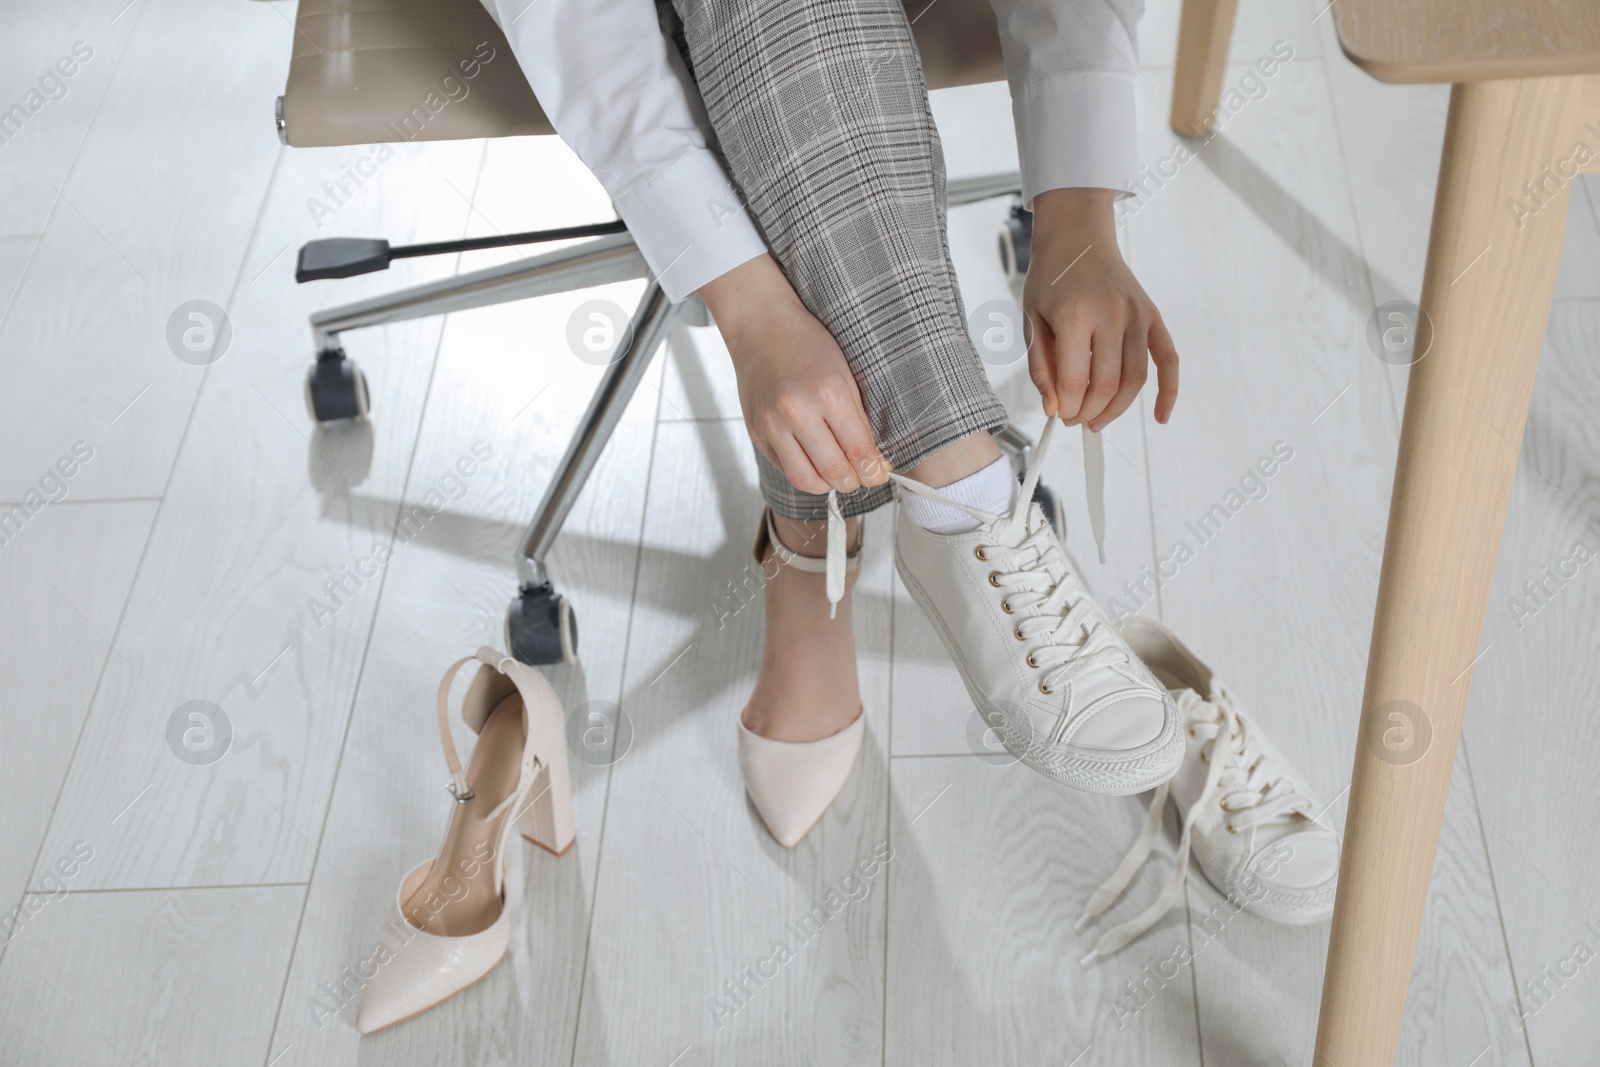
point(1240, 777)
point(1094, 483)
point(1039, 584)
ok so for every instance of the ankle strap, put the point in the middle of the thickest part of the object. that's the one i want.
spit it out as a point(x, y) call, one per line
point(835, 564)
point(768, 538)
point(522, 679)
point(512, 669)
point(458, 778)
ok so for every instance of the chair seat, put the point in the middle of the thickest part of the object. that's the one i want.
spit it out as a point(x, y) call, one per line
point(1469, 40)
point(370, 71)
point(375, 71)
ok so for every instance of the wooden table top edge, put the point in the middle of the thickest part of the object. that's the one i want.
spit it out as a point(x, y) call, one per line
point(1408, 42)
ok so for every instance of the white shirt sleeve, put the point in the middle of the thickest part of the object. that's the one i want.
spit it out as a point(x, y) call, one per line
point(618, 93)
point(1071, 65)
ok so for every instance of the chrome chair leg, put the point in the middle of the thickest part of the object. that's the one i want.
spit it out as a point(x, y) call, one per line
point(540, 627)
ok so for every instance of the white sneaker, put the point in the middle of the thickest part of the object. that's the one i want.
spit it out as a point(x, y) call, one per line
point(1039, 657)
point(1253, 821)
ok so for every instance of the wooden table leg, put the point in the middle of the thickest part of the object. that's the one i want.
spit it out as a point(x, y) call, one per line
point(1490, 273)
point(1205, 28)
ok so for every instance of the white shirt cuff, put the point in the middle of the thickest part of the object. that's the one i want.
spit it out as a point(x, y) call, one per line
point(1077, 131)
point(690, 224)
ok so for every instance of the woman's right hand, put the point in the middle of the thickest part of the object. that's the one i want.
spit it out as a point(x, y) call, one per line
point(802, 407)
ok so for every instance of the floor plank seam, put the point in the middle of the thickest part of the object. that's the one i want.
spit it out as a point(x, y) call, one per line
point(1355, 221)
point(177, 888)
point(4, 318)
point(55, 201)
point(155, 519)
point(1150, 505)
point(1494, 893)
point(622, 681)
point(372, 627)
point(888, 812)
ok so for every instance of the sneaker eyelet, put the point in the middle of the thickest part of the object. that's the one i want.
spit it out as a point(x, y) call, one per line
point(992, 576)
point(1223, 804)
point(1193, 734)
point(1046, 690)
point(1031, 662)
point(1005, 606)
point(978, 551)
point(1017, 633)
point(1230, 828)
point(1204, 758)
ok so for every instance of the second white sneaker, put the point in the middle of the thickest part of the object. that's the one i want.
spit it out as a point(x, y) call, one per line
point(1255, 825)
point(1045, 667)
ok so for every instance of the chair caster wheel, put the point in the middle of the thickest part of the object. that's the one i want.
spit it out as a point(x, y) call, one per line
point(1047, 500)
point(540, 627)
point(336, 389)
point(1016, 242)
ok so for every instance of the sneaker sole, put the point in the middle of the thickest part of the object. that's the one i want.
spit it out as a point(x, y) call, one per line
point(1286, 907)
point(1124, 775)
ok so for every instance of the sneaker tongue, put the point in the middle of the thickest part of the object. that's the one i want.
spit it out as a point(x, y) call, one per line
point(1007, 533)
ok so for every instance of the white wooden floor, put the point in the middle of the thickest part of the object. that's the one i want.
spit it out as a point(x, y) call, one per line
point(170, 913)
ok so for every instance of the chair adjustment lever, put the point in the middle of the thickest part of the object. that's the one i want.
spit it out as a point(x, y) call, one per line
point(345, 257)
point(341, 257)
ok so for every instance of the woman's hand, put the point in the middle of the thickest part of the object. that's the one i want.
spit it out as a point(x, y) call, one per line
point(801, 404)
point(1093, 326)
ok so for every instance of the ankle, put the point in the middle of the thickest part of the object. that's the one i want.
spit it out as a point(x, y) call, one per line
point(810, 538)
point(957, 460)
point(991, 491)
point(807, 687)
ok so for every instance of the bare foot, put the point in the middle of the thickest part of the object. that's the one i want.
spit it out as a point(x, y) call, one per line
point(808, 688)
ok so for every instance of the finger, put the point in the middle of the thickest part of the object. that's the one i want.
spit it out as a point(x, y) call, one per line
point(1165, 356)
point(760, 444)
point(854, 436)
point(796, 465)
point(1105, 369)
point(827, 458)
point(1135, 370)
point(1041, 362)
point(1074, 351)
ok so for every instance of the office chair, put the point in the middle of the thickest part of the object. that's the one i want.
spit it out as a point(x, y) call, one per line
point(373, 71)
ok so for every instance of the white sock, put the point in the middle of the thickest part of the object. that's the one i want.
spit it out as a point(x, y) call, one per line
point(993, 489)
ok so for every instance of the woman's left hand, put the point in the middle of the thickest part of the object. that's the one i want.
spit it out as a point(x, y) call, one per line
point(1094, 329)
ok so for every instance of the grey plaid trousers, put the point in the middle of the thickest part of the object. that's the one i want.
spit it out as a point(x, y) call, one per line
point(821, 115)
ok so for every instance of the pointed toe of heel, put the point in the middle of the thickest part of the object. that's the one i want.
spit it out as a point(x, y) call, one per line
point(792, 784)
point(422, 970)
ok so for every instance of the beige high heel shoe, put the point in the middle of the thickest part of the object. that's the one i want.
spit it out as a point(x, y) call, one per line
point(450, 912)
point(793, 783)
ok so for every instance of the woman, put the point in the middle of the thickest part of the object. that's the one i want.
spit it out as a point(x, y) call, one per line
point(795, 181)
point(780, 159)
